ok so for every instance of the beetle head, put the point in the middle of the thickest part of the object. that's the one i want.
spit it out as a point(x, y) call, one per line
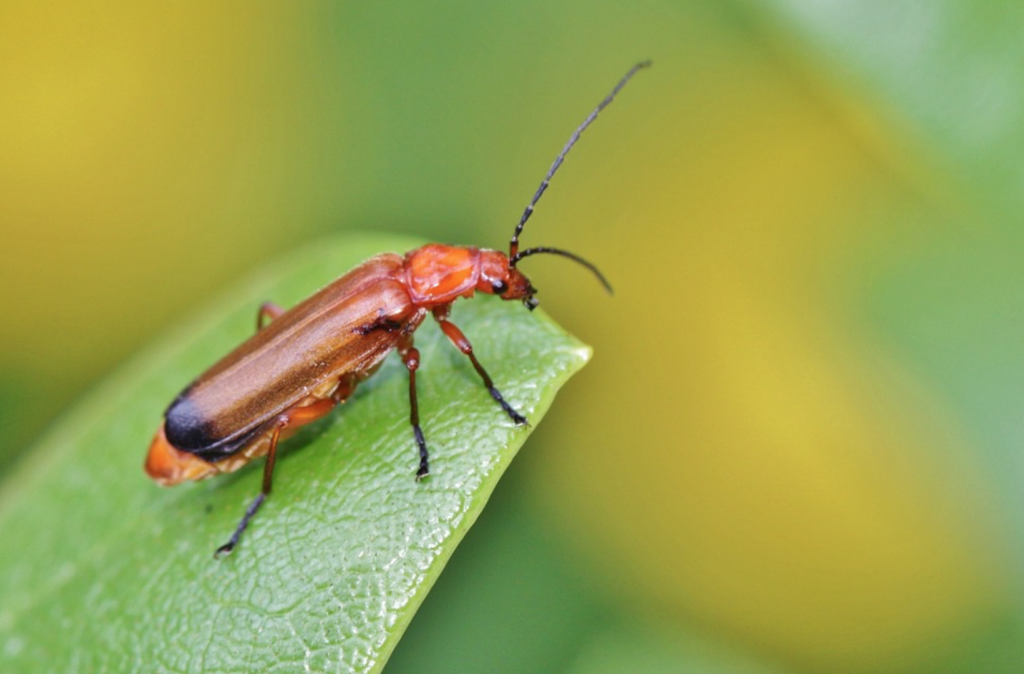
point(497, 277)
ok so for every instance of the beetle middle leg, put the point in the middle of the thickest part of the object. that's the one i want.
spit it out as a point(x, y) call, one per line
point(462, 344)
point(411, 357)
point(296, 416)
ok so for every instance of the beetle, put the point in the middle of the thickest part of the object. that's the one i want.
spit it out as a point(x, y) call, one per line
point(303, 362)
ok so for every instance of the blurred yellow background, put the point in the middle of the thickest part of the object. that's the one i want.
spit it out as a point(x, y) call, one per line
point(796, 438)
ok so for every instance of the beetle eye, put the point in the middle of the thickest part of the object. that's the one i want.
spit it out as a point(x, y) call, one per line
point(531, 302)
point(499, 287)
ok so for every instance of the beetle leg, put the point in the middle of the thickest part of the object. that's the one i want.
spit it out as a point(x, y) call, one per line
point(346, 387)
point(296, 416)
point(268, 312)
point(411, 357)
point(462, 344)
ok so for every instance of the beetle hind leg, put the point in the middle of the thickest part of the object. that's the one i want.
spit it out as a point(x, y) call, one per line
point(250, 512)
point(296, 416)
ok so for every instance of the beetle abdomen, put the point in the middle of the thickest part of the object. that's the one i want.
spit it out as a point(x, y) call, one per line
point(187, 429)
point(300, 354)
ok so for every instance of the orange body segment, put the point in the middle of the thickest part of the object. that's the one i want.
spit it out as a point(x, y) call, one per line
point(440, 274)
point(169, 466)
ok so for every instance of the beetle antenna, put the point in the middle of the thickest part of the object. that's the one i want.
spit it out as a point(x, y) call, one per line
point(513, 248)
point(564, 253)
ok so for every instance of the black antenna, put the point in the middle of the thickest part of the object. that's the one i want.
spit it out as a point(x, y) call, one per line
point(564, 253)
point(513, 248)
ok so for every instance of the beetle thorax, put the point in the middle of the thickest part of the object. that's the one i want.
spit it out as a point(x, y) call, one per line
point(439, 274)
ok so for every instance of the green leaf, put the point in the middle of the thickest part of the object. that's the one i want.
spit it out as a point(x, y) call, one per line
point(101, 570)
point(515, 600)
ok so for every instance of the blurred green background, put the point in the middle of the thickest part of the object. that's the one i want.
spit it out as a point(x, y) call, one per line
point(799, 445)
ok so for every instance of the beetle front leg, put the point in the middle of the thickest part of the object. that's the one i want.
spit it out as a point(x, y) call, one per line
point(268, 311)
point(296, 416)
point(411, 357)
point(462, 344)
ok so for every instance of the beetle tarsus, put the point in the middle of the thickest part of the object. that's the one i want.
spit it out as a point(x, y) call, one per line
point(249, 512)
point(518, 418)
point(421, 443)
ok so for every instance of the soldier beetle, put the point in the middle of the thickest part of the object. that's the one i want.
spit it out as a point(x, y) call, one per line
point(304, 361)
